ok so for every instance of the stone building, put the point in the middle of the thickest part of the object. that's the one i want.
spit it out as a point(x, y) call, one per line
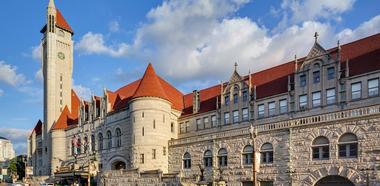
point(315, 121)
point(6, 149)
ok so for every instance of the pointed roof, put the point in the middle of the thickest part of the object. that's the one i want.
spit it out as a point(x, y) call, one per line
point(62, 23)
point(150, 85)
point(51, 4)
point(67, 118)
point(316, 50)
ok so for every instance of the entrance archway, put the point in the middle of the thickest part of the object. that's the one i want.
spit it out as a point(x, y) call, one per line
point(334, 180)
point(118, 165)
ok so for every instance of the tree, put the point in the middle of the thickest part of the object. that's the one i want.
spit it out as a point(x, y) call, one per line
point(17, 167)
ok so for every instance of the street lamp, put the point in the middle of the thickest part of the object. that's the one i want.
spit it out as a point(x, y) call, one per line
point(253, 135)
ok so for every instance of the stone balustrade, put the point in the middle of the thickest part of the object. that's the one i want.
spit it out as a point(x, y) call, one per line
point(317, 119)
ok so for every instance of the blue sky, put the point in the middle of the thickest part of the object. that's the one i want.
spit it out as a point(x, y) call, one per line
point(192, 44)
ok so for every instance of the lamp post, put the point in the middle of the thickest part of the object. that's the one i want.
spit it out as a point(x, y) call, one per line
point(253, 135)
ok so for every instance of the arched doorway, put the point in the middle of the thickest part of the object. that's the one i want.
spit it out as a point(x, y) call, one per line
point(334, 181)
point(118, 165)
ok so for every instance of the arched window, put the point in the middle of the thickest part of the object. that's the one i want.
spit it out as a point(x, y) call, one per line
point(100, 141)
point(118, 137)
point(320, 148)
point(93, 143)
point(187, 161)
point(207, 158)
point(109, 138)
point(267, 153)
point(247, 155)
point(348, 146)
point(222, 157)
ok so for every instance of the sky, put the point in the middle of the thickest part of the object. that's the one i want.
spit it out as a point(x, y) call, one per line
point(191, 44)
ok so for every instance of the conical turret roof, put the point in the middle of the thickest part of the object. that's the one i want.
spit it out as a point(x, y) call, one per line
point(150, 85)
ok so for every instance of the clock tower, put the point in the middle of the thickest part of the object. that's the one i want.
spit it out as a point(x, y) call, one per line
point(57, 60)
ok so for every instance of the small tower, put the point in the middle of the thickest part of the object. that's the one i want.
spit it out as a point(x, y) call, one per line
point(57, 60)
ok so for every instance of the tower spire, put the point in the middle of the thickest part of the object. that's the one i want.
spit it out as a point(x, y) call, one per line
point(51, 4)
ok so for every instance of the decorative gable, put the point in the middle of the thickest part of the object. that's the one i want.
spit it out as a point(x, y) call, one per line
point(316, 51)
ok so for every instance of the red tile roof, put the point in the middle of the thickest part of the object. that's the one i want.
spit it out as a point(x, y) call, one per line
point(150, 85)
point(62, 23)
point(208, 98)
point(68, 119)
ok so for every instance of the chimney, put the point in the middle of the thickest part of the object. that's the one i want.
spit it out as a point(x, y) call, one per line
point(196, 101)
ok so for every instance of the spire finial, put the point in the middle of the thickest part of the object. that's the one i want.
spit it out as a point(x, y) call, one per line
point(236, 65)
point(316, 36)
point(338, 45)
point(51, 4)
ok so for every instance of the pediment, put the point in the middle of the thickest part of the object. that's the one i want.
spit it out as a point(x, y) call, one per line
point(316, 51)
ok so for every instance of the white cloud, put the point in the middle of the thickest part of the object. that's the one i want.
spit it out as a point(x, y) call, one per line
point(1, 92)
point(18, 138)
point(369, 27)
point(114, 26)
point(37, 53)
point(83, 92)
point(9, 75)
point(39, 75)
point(93, 43)
point(307, 10)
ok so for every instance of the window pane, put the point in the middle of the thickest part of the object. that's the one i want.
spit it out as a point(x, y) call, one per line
point(331, 73)
point(261, 111)
point(226, 117)
point(245, 114)
point(356, 90)
point(316, 77)
point(316, 99)
point(199, 124)
point(315, 152)
point(330, 96)
point(272, 108)
point(236, 116)
point(227, 100)
point(373, 87)
point(213, 121)
point(245, 96)
point(303, 101)
point(283, 106)
point(342, 150)
point(236, 98)
point(303, 80)
point(325, 152)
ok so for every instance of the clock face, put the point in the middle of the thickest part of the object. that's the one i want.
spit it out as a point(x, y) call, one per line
point(61, 55)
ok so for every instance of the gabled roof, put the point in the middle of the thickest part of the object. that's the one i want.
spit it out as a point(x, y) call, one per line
point(38, 128)
point(150, 85)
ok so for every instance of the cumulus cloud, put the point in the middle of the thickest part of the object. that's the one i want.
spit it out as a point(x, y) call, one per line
point(18, 138)
point(93, 43)
point(369, 27)
point(308, 10)
point(188, 41)
point(114, 26)
point(83, 92)
point(9, 75)
point(37, 53)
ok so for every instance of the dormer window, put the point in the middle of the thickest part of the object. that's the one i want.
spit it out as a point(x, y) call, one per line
point(303, 80)
point(245, 96)
point(227, 100)
point(236, 98)
point(330, 73)
point(316, 77)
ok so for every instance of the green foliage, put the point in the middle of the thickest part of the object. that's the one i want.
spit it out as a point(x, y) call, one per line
point(17, 167)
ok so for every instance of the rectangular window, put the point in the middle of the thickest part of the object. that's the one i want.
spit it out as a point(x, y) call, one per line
point(316, 77)
point(330, 73)
point(330, 96)
point(172, 127)
point(266, 183)
point(205, 122)
point(303, 80)
point(245, 114)
point(182, 128)
point(316, 99)
point(236, 98)
point(214, 123)
point(164, 151)
point(153, 153)
point(261, 112)
point(142, 158)
point(199, 124)
point(356, 90)
point(226, 117)
point(245, 96)
point(373, 87)
point(187, 126)
point(272, 108)
point(227, 100)
point(283, 106)
point(235, 116)
point(303, 101)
